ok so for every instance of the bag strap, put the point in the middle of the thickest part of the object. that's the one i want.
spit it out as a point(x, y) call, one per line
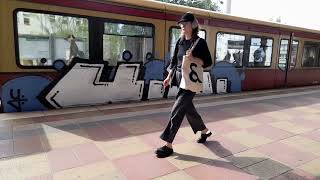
point(194, 45)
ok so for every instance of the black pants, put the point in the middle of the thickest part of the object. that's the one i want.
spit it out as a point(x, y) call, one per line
point(182, 106)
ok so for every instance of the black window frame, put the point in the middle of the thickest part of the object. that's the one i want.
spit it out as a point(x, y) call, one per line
point(230, 33)
point(295, 64)
point(16, 35)
point(178, 27)
point(271, 61)
point(317, 55)
point(246, 52)
point(95, 34)
point(106, 20)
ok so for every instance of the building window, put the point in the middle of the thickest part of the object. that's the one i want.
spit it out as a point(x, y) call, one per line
point(310, 54)
point(26, 19)
point(45, 40)
point(260, 52)
point(64, 20)
point(175, 34)
point(283, 55)
point(52, 18)
point(230, 48)
point(135, 40)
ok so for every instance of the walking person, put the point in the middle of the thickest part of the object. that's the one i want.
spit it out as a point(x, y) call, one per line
point(183, 104)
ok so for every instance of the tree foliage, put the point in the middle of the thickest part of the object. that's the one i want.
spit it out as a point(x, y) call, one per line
point(203, 4)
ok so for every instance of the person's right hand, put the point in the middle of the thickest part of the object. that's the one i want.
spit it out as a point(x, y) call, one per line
point(166, 82)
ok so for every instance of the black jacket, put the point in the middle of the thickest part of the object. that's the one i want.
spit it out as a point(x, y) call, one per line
point(200, 51)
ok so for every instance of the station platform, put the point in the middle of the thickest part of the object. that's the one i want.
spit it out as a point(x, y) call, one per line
point(273, 134)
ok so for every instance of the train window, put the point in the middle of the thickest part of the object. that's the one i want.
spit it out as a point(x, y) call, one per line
point(230, 48)
point(136, 40)
point(175, 33)
point(284, 48)
point(260, 52)
point(310, 54)
point(43, 38)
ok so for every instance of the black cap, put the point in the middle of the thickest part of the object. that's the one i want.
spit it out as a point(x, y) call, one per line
point(187, 17)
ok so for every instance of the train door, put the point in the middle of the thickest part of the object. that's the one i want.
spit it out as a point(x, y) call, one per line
point(288, 51)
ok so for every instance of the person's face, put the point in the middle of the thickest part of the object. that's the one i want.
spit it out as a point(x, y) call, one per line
point(186, 28)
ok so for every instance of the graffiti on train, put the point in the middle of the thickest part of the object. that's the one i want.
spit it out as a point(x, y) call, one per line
point(83, 83)
point(21, 94)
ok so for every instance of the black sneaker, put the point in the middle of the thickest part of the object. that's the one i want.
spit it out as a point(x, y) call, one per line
point(204, 137)
point(164, 152)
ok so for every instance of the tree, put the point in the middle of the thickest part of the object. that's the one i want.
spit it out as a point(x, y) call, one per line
point(203, 4)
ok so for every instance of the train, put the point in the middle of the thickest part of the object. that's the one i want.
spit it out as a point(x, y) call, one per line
point(57, 54)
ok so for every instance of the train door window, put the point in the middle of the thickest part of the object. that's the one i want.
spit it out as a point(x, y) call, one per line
point(43, 38)
point(230, 48)
point(175, 34)
point(310, 54)
point(283, 56)
point(123, 42)
point(260, 52)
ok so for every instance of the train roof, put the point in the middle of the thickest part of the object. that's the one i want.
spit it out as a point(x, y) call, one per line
point(174, 8)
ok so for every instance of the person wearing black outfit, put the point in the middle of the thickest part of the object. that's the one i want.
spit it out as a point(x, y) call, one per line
point(183, 104)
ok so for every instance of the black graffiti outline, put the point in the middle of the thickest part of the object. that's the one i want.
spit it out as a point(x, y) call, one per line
point(19, 98)
point(194, 73)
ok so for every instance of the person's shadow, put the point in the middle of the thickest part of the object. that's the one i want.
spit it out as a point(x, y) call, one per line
point(242, 164)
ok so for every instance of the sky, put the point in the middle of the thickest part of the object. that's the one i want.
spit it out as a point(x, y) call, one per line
point(302, 13)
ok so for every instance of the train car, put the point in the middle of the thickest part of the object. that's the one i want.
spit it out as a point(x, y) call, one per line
point(58, 54)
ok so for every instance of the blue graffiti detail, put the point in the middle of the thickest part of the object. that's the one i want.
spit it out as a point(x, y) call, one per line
point(154, 70)
point(225, 69)
point(20, 94)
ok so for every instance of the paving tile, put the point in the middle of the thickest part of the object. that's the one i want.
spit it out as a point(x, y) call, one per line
point(88, 153)
point(103, 170)
point(246, 158)
point(262, 118)
point(176, 175)
point(141, 126)
point(221, 127)
point(153, 139)
point(223, 147)
point(312, 167)
point(303, 122)
point(278, 115)
point(132, 170)
point(215, 115)
point(290, 127)
point(61, 159)
point(6, 148)
point(314, 135)
point(41, 177)
point(5, 133)
point(242, 123)
point(286, 154)
point(247, 139)
point(115, 130)
point(187, 134)
point(218, 170)
point(21, 167)
point(296, 174)
point(64, 139)
point(270, 132)
point(123, 147)
point(190, 154)
point(89, 124)
point(97, 134)
point(27, 145)
point(25, 133)
point(303, 144)
point(267, 169)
